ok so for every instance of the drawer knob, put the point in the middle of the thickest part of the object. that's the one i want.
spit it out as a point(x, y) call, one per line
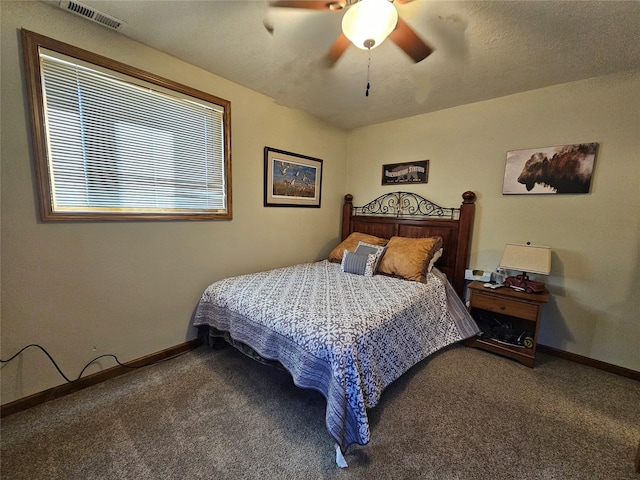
point(502, 307)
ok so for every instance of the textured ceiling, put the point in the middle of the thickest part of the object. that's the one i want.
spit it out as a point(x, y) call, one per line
point(483, 49)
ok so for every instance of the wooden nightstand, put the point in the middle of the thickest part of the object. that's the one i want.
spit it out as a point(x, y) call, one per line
point(509, 320)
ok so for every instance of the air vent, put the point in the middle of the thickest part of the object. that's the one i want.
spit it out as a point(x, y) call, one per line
point(92, 14)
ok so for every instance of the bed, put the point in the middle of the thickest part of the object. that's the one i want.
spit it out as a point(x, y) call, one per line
point(388, 296)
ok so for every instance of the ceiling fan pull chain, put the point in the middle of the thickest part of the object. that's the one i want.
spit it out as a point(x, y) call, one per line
point(366, 93)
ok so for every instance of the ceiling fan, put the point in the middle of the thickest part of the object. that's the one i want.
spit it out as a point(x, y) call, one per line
point(366, 24)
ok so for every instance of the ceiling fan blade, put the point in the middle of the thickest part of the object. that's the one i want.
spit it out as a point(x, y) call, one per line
point(410, 42)
point(338, 48)
point(310, 4)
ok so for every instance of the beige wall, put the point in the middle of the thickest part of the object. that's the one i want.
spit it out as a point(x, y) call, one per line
point(595, 305)
point(130, 288)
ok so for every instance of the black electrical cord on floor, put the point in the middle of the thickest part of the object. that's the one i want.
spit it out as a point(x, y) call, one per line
point(58, 368)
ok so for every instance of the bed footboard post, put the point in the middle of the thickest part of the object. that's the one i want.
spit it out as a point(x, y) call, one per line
point(347, 208)
point(467, 212)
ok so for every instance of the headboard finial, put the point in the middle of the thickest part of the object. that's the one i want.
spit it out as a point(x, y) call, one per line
point(348, 198)
point(469, 197)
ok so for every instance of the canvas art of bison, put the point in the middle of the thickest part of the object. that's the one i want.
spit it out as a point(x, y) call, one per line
point(564, 169)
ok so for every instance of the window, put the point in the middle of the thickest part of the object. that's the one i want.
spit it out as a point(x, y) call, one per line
point(112, 142)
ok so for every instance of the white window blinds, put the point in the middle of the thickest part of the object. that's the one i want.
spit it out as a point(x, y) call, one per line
point(118, 144)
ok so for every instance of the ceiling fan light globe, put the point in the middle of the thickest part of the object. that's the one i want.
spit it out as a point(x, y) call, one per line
point(369, 21)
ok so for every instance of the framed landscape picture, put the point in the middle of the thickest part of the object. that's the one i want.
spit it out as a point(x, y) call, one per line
point(561, 169)
point(408, 172)
point(291, 179)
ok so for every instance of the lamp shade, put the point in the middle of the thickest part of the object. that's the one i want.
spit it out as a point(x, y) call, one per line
point(526, 258)
point(369, 22)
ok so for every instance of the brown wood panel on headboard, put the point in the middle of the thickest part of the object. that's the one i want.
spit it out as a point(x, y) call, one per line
point(409, 215)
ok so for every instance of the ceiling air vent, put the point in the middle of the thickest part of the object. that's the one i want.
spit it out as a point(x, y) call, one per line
point(92, 14)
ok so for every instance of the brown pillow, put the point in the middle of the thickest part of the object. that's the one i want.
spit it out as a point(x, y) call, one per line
point(410, 258)
point(351, 243)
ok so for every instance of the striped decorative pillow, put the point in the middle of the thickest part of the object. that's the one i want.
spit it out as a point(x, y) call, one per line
point(358, 264)
point(365, 248)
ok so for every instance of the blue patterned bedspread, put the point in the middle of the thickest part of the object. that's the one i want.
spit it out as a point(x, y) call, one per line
point(347, 336)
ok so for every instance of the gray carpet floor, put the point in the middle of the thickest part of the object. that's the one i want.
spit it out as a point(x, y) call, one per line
point(461, 414)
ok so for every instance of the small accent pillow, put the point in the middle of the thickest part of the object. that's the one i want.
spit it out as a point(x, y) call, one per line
point(364, 248)
point(410, 258)
point(358, 263)
point(351, 242)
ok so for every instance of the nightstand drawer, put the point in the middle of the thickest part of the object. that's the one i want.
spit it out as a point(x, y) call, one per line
point(505, 306)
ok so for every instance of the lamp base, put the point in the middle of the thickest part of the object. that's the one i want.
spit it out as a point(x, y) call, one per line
point(522, 283)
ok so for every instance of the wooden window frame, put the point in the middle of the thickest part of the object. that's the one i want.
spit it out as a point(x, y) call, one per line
point(31, 45)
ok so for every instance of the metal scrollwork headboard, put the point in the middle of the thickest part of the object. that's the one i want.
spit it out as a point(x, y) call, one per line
point(405, 204)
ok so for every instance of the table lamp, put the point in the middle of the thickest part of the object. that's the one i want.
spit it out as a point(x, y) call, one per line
point(526, 258)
